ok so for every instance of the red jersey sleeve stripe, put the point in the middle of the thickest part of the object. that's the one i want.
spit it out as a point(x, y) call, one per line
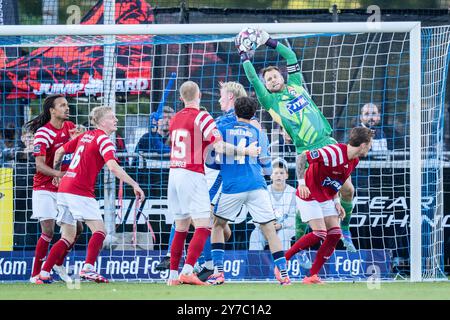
point(333, 155)
point(109, 148)
point(340, 154)
point(324, 155)
point(100, 138)
point(199, 116)
point(44, 135)
point(104, 143)
point(208, 130)
point(41, 140)
point(204, 123)
point(50, 132)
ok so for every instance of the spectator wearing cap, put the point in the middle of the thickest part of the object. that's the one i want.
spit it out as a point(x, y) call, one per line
point(156, 140)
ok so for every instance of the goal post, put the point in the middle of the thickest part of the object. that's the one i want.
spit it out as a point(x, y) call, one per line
point(350, 43)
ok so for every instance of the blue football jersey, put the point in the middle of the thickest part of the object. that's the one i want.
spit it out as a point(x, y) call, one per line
point(243, 173)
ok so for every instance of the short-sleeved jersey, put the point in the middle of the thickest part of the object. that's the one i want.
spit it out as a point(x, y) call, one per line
point(91, 150)
point(292, 107)
point(328, 169)
point(243, 173)
point(47, 140)
point(191, 131)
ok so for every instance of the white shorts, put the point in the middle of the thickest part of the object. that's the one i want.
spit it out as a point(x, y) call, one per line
point(257, 202)
point(187, 195)
point(73, 208)
point(44, 205)
point(214, 186)
point(310, 210)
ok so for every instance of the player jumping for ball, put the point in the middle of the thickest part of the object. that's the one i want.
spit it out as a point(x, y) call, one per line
point(291, 106)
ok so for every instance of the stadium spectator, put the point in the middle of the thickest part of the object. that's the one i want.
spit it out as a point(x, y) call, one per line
point(387, 137)
point(282, 145)
point(24, 151)
point(8, 146)
point(156, 140)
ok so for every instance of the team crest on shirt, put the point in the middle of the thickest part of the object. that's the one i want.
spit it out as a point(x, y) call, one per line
point(291, 91)
point(37, 148)
point(314, 154)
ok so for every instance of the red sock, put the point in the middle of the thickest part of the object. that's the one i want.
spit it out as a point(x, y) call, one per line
point(60, 261)
point(308, 240)
point(58, 249)
point(176, 249)
point(196, 245)
point(326, 249)
point(40, 253)
point(94, 246)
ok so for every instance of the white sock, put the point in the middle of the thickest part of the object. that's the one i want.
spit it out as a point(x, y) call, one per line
point(209, 265)
point(45, 274)
point(88, 267)
point(187, 269)
point(173, 275)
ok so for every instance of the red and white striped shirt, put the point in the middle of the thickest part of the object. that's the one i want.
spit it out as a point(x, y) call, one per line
point(47, 140)
point(328, 169)
point(191, 131)
point(92, 150)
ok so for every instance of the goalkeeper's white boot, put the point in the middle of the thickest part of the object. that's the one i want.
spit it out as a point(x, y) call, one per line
point(62, 273)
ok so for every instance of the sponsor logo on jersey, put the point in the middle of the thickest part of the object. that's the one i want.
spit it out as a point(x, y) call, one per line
point(314, 154)
point(67, 158)
point(37, 148)
point(297, 104)
point(331, 183)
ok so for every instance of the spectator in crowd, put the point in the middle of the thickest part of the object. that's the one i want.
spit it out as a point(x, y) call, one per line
point(156, 140)
point(386, 137)
point(8, 145)
point(25, 148)
point(282, 145)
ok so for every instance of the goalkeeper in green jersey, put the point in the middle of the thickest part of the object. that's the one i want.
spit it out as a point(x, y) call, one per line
point(292, 107)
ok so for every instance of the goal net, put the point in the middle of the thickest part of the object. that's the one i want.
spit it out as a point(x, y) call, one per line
point(397, 221)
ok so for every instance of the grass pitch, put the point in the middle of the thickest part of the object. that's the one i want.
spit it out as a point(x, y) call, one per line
point(229, 291)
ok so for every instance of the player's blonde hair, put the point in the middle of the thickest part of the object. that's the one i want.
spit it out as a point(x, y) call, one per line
point(98, 113)
point(235, 88)
point(189, 91)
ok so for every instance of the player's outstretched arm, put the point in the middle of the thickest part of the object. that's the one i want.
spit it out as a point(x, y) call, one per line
point(118, 171)
point(301, 169)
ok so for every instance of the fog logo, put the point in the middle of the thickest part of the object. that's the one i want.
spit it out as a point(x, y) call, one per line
point(373, 281)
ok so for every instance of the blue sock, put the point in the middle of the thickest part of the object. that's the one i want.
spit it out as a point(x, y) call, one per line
point(218, 253)
point(172, 234)
point(207, 250)
point(280, 262)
